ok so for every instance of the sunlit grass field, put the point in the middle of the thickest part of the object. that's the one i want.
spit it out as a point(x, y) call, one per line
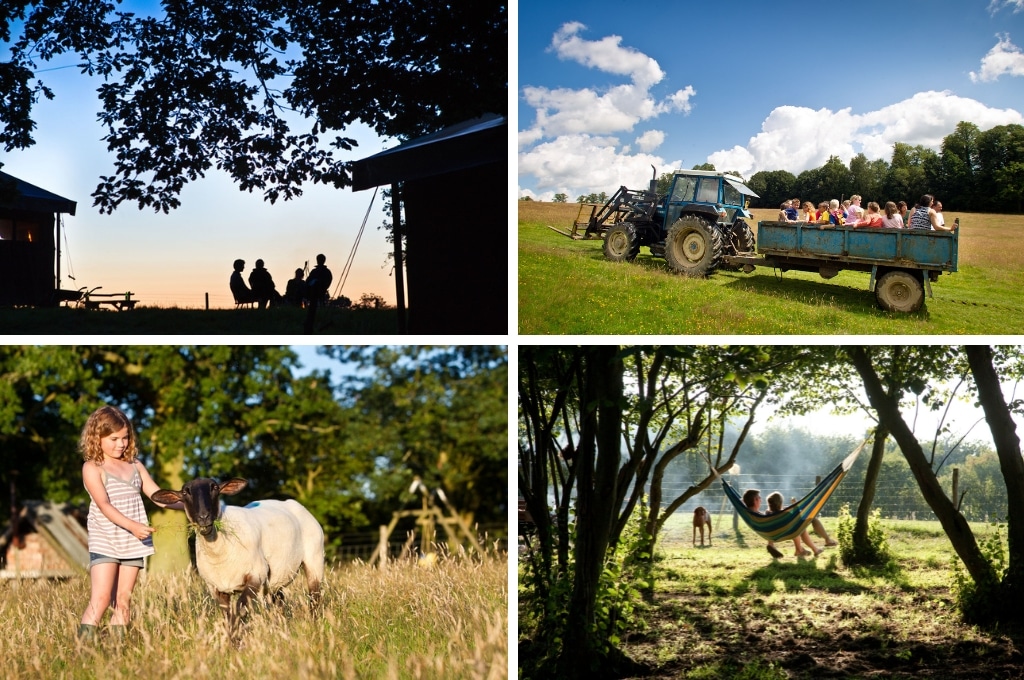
point(407, 621)
point(567, 287)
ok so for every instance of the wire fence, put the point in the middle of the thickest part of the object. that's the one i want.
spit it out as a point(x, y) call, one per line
point(893, 500)
point(361, 546)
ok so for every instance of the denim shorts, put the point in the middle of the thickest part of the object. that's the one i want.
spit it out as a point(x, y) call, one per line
point(96, 558)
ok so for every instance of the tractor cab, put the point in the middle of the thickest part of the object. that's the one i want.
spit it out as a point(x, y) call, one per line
point(720, 197)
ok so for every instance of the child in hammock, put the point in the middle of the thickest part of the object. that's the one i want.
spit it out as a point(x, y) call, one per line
point(774, 507)
point(752, 499)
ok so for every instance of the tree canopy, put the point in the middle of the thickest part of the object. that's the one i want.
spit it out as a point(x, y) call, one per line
point(195, 85)
point(346, 444)
point(974, 170)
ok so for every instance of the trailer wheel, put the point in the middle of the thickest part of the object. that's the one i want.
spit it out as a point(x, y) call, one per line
point(621, 243)
point(899, 291)
point(693, 246)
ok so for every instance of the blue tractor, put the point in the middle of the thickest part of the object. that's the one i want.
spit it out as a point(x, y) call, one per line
point(701, 219)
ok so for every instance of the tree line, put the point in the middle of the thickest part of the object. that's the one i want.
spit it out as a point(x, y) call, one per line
point(600, 427)
point(974, 171)
point(347, 444)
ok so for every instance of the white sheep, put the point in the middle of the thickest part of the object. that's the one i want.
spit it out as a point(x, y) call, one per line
point(256, 548)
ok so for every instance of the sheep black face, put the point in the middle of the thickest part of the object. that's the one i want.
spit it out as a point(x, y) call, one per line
point(201, 500)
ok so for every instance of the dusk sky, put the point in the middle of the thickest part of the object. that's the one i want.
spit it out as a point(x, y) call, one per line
point(174, 259)
point(606, 92)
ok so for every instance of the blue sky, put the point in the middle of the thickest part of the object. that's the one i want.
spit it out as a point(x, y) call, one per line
point(175, 259)
point(608, 88)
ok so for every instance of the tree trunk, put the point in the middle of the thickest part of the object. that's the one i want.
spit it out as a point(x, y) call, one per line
point(598, 465)
point(861, 544)
point(1012, 466)
point(954, 524)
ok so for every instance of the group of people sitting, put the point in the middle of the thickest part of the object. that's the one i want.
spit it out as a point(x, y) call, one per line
point(300, 291)
point(927, 214)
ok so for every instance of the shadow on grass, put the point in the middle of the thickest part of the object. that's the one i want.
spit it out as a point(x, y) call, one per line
point(819, 573)
point(845, 297)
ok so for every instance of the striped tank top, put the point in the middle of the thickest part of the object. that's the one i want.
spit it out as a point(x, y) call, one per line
point(105, 537)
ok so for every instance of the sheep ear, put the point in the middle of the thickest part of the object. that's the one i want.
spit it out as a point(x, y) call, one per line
point(233, 486)
point(166, 496)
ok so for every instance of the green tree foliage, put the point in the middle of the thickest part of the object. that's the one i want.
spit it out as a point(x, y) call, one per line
point(190, 86)
point(665, 180)
point(987, 368)
point(974, 170)
point(406, 426)
point(346, 446)
point(773, 187)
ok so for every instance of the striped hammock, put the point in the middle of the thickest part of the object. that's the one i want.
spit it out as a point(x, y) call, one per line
point(790, 522)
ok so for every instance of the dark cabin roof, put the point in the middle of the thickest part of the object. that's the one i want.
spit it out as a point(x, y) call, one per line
point(31, 198)
point(458, 147)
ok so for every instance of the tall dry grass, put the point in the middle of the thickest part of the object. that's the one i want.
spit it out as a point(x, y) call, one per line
point(405, 621)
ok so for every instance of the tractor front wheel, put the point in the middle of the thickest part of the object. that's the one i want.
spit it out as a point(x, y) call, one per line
point(899, 291)
point(693, 246)
point(621, 243)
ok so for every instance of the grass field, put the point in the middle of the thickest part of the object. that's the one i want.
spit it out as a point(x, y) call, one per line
point(449, 621)
point(730, 611)
point(173, 321)
point(567, 287)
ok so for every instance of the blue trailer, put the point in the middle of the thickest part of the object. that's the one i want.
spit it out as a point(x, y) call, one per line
point(902, 262)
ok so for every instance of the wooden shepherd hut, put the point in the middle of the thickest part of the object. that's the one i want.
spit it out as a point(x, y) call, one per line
point(30, 243)
point(46, 540)
point(454, 186)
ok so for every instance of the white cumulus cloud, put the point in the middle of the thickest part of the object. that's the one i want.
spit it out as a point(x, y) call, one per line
point(796, 138)
point(571, 146)
point(650, 140)
point(581, 164)
point(1003, 59)
point(606, 54)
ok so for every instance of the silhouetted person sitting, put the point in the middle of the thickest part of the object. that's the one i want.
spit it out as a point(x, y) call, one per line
point(317, 285)
point(263, 286)
point(295, 293)
point(319, 281)
point(239, 290)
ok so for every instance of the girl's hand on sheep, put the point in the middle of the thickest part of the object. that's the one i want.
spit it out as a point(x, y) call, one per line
point(141, 531)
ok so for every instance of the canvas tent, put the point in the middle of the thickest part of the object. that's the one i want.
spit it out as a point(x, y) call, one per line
point(30, 242)
point(454, 187)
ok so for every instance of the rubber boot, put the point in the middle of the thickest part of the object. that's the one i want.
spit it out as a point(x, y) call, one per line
point(86, 632)
point(117, 633)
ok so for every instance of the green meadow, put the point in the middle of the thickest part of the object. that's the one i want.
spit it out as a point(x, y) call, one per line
point(567, 287)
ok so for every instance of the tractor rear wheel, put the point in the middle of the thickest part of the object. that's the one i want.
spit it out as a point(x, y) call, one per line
point(899, 291)
point(693, 246)
point(738, 240)
point(621, 243)
point(743, 237)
